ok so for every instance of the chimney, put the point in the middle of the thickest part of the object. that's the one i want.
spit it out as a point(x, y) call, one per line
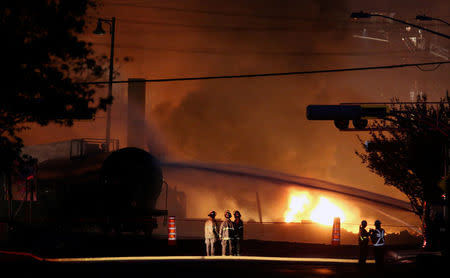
point(136, 113)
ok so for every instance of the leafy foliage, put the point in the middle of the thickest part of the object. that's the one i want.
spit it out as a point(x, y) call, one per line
point(411, 154)
point(43, 62)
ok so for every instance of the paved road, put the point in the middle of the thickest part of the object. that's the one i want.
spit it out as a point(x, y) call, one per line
point(263, 259)
point(22, 265)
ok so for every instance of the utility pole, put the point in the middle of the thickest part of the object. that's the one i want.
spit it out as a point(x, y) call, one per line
point(99, 31)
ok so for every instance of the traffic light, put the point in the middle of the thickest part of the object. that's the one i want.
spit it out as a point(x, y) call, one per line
point(333, 112)
point(344, 113)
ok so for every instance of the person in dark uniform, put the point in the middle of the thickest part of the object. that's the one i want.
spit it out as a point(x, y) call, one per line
point(238, 233)
point(377, 237)
point(363, 241)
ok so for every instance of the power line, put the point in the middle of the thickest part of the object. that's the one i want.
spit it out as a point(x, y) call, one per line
point(267, 74)
point(236, 28)
point(214, 51)
point(209, 12)
point(234, 14)
point(221, 13)
point(291, 26)
point(213, 27)
point(319, 26)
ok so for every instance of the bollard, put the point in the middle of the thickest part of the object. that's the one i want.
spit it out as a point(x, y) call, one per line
point(172, 240)
point(336, 232)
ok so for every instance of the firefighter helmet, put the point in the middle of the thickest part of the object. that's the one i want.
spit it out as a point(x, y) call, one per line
point(237, 214)
point(227, 214)
point(377, 222)
point(363, 223)
point(212, 214)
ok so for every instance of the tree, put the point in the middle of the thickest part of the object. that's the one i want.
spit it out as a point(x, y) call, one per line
point(411, 154)
point(44, 62)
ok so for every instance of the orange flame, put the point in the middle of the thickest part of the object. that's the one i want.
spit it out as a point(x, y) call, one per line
point(321, 210)
point(297, 207)
point(325, 211)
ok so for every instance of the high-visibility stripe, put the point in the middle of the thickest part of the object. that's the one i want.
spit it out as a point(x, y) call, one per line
point(172, 231)
point(336, 232)
point(188, 258)
point(380, 240)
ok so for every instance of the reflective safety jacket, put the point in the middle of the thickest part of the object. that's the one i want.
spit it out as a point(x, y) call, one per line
point(226, 230)
point(238, 229)
point(363, 236)
point(211, 229)
point(377, 237)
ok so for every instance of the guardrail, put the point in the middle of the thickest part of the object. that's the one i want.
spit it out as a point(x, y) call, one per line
point(83, 146)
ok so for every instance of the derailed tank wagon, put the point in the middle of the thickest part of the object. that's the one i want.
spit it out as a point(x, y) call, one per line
point(97, 193)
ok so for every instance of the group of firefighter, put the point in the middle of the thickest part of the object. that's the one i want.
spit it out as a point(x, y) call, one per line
point(377, 237)
point(230, 234)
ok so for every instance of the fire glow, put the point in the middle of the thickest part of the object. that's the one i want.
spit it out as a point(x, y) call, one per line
point(321, 210)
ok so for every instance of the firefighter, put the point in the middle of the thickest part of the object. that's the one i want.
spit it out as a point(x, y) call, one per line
point(211, 234)
point(238, 233)
point(226, 234)
point(377, 237)
point(363, 241)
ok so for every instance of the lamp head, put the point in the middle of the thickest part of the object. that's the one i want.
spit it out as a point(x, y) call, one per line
point(423, 17)
point(99, 30)
point(360, 14)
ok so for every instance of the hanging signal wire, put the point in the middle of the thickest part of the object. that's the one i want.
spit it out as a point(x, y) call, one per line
point(208, 12)
point(266, 74)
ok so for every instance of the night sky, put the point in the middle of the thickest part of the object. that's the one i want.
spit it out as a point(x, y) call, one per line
point(260, 122)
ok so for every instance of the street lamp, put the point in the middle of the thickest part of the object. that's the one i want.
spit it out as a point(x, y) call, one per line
point(429, 18)
point(368, 15)
point(99, 31)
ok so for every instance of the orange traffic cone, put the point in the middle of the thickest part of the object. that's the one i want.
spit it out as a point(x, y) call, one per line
point(336, 232)
point(172, 231)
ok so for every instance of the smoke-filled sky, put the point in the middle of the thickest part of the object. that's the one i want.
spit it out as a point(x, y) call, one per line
point(261, 122)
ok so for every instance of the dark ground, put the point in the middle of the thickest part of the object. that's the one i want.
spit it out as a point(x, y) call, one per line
point(138, 246)
point(72, 246)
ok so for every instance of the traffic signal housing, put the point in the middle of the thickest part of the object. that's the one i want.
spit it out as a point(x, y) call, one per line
point(342, 114)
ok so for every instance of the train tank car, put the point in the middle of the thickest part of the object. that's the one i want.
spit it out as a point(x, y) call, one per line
point(99, 193)
point(132, 181)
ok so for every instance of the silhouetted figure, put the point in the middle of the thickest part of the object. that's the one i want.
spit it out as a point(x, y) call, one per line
point(377, 237)
point(226, 234)
point(238, 233)
point(363, 241)
point(211, 234)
